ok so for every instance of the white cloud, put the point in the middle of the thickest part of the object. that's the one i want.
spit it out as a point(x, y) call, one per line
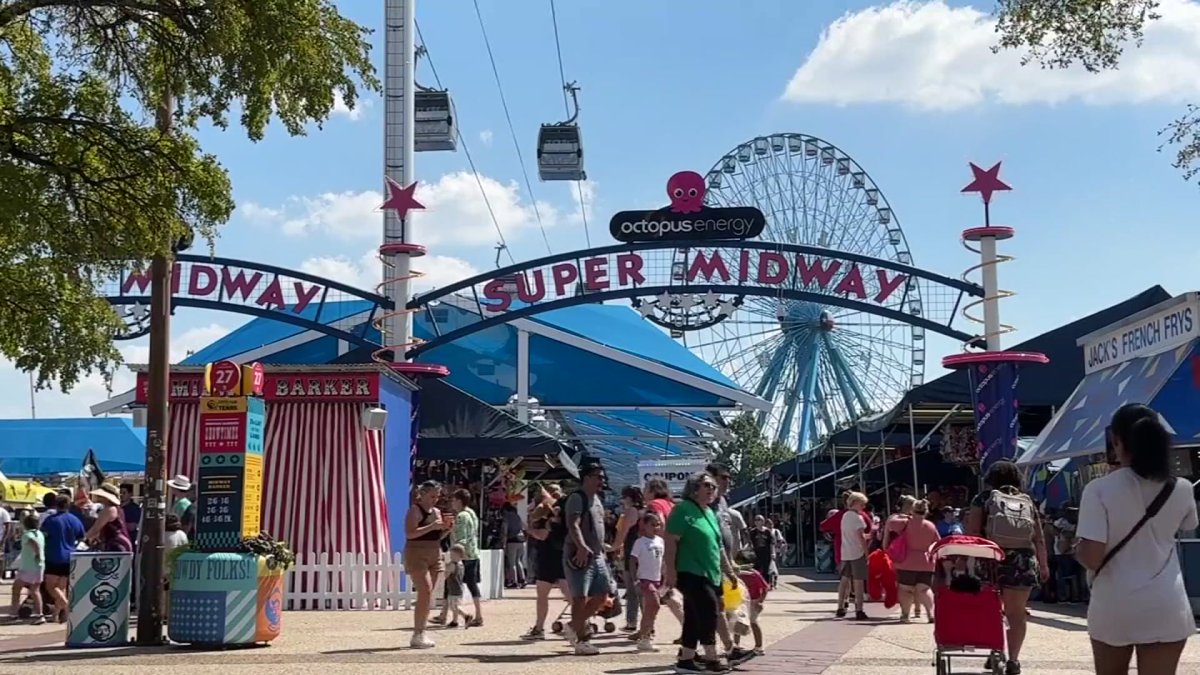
point(367, 272)
point(485, 137)
point(929, 55)
point(92, 389)
point(455, 212)
point(340, 109)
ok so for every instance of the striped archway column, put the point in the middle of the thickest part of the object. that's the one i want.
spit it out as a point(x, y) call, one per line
point(323, 482)
point(183, 439)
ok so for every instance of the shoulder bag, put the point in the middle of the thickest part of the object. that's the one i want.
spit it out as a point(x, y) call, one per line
point(1152, 510)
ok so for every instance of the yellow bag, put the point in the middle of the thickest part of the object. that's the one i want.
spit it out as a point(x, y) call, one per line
point(732, 594)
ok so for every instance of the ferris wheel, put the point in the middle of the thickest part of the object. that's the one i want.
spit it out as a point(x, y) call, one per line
point(813, 193)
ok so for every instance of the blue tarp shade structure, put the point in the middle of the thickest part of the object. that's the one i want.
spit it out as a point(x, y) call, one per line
point(1156, 380)
point(50, 446)
point(458, 426)
point(1043, 385)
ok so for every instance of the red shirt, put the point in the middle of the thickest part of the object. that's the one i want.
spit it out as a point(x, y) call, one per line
point(661, 506)
point(756, 586)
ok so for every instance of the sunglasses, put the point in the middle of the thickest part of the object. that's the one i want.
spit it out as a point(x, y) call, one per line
point(708, 485)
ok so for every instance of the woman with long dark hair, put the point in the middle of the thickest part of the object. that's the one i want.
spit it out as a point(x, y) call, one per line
point(1007, 516)
point(628, 525)
point(1128, 521)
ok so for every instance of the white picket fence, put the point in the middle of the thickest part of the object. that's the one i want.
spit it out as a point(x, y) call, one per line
point(347, 582)
point(369, 582)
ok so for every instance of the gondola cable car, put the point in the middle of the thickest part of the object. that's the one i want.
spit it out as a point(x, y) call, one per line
point(560, 146)
point(434, 127)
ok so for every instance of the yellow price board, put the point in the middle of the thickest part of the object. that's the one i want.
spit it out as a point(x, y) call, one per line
point(252, 495)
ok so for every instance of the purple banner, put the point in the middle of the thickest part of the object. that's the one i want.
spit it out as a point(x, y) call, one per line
point(994, 395)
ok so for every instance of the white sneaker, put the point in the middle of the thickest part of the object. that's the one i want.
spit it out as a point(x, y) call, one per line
point(419, 641)
point(647, 646)
point(569, 634)
point(585, 649)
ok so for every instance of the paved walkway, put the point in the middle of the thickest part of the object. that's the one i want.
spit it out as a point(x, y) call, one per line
point(802, 636)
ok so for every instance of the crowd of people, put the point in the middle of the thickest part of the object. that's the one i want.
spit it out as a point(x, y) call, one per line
point(686, 554)
point(38, 543)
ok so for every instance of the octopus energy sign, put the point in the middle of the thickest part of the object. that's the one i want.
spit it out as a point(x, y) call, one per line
point(687, 218)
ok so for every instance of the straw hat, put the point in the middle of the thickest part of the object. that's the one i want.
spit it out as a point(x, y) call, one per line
point(181, 483)
point(108, 494)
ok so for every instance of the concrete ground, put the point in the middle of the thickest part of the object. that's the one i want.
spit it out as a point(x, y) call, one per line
point(801, 634)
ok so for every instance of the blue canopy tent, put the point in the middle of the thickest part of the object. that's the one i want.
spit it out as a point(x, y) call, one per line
point(1164, 375)
point(43, 447)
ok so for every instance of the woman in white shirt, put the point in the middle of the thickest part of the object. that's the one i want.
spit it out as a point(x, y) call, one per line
point(1138, 598)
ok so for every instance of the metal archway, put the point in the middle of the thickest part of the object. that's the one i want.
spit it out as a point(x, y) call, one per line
point(254, 289)
point(718, 273)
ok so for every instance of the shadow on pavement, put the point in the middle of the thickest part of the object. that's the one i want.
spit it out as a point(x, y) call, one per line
point(1058, 623)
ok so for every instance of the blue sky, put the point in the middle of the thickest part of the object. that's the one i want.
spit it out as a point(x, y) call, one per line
point(909, 90)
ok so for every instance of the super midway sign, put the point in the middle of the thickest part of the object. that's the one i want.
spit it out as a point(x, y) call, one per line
point(827, 274)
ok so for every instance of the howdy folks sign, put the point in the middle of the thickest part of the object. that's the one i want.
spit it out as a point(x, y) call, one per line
point(827, 274)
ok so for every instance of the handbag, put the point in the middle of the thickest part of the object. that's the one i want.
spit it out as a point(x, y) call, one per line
point(1152, 510)
point(897, 548)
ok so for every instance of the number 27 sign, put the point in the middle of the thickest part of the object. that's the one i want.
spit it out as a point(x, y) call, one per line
point(226, 378)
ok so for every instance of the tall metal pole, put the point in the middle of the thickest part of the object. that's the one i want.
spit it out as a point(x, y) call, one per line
point(32, 397)
point(399, 69)
point(150, 618)
point(912, 441)
point(523, 376)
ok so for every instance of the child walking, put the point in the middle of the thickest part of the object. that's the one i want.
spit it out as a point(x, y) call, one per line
point(647, 557)
point(756, 588)
point(31, 568)
point(455, 573)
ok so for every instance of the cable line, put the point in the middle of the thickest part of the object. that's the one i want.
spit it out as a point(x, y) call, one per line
point(562, 76)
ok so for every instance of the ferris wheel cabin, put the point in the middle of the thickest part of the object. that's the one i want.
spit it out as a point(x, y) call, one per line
point(433, 122)
point(560, 152)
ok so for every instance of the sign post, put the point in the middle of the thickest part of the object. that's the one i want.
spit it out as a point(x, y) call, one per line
point(229, 502)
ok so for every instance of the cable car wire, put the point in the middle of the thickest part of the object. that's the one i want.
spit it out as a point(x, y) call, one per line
point(511, 130)
point(562, 76)
point(467, 151)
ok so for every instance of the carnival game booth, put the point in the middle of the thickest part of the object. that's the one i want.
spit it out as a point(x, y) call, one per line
point(333, 464)
point(1151, 357)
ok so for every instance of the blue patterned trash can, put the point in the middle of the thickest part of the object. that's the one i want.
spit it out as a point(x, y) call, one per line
point(98, 598)
point(225, 599)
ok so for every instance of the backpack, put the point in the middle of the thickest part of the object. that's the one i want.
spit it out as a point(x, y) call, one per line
point(1011, 519)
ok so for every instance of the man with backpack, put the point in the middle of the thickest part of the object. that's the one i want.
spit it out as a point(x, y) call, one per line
point(1006, 515)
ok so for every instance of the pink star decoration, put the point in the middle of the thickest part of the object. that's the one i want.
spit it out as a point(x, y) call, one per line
point(401, 199)
point(986, 182)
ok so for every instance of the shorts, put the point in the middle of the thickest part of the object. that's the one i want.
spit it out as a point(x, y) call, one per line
point(1019, 569)
point(423, 559)
point(649, 587)
point(31, 577)
point(855, 569)
point(914, 578)
point(58, 569)
point(590, 582)
point(549, 568)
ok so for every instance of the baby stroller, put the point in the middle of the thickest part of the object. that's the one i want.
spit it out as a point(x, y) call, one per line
point(969, 621)
point(610, 610)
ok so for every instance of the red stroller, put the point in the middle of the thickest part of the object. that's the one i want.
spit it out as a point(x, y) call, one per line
point(969, 618)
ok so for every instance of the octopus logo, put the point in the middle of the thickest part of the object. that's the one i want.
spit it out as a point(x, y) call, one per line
point(687, 218)
point(105, 568)
point(686, 191)
point(103, 597)
point(102, 629)
point(273, 609)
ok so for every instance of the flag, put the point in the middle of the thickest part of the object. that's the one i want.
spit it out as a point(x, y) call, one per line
point(90, 476)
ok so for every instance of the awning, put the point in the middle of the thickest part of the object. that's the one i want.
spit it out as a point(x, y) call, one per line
point(458, 426)
point(1078, 428)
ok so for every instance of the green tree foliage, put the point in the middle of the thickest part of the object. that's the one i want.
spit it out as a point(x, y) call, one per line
point(749, 453)
point(1092, 34)
point(87, 182)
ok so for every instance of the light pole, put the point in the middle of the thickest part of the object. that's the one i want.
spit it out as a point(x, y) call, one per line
point(150, 618)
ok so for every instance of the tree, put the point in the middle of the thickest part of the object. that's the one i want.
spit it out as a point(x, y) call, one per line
point(749, 453)
point(1093, 34)
point(89, 186)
